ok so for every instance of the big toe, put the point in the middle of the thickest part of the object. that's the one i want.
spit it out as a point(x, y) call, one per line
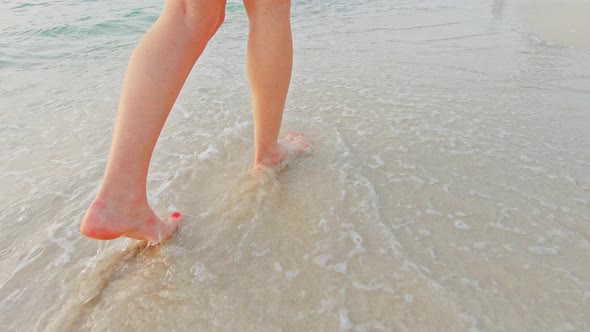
point(297, 139)
point(166, 228)
point(292, 134)
point(173, 222)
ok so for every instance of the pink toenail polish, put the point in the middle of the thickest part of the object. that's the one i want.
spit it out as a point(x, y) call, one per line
point(176, 215)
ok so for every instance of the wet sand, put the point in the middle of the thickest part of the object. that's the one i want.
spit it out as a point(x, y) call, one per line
point(447, 187)
point(560, 22)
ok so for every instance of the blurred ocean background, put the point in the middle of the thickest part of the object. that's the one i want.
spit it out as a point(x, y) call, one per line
point(448, 188)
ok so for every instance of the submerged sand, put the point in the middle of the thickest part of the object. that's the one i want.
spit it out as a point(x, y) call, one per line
point(447, 188)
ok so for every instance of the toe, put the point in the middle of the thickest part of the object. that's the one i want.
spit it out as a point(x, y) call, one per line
point(174, 221)
point(168, 227)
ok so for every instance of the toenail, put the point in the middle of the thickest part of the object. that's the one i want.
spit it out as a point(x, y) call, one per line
point(176, 215)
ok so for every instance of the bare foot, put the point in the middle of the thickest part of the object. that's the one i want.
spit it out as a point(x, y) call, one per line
point(287, 149)
point(104, 221)
point(293, 145)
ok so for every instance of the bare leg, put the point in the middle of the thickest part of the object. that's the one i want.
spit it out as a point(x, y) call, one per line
point(156, 73)
point(270, 60)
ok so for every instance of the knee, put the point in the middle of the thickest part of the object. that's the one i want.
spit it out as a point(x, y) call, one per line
point(256, 6)
point(201, 17)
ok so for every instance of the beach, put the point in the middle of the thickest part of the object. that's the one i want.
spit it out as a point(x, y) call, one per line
point(447, 187)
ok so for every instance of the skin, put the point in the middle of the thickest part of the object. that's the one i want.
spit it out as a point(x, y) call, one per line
point(269, 63)
point(156, 73)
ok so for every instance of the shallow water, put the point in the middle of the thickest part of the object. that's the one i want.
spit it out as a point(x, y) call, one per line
point(447, 188)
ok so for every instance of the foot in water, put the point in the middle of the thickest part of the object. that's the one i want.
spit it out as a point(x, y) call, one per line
point(107, 221)
point(287, 149)
point(110, 219)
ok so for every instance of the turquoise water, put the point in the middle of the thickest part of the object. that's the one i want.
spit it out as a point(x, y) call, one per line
point(447, 188)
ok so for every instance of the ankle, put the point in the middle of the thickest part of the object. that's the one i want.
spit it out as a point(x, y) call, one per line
point(116, 197)
point(267, 157)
